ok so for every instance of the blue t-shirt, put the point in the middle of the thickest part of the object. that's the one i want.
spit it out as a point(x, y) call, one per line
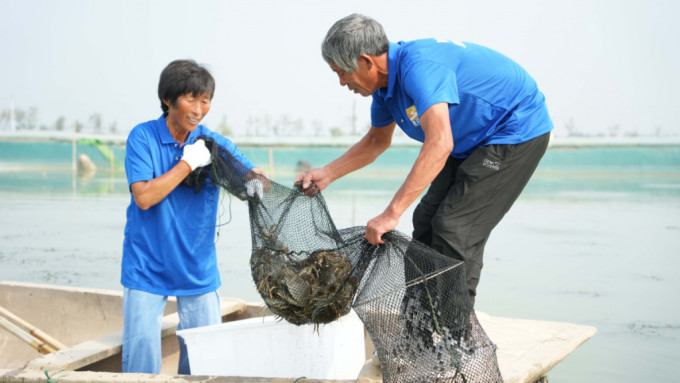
point(492, 100)
point(169, 249)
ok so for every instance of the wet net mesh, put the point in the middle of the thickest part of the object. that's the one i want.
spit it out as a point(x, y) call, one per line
point(412, 300)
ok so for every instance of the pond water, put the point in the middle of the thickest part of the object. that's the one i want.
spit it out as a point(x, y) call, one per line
point(593, 240)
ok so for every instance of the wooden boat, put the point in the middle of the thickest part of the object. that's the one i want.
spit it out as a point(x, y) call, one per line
point(87, 325)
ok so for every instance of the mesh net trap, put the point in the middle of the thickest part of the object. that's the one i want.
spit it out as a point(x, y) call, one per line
point(412, 300)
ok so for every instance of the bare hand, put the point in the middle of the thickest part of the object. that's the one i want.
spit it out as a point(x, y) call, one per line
point(320, 177)
point(378, 226)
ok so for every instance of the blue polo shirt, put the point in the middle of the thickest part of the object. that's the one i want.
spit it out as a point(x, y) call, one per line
point(169, 249)
point(492, 100)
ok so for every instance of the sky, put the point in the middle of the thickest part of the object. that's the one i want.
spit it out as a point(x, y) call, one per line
point(605, 66)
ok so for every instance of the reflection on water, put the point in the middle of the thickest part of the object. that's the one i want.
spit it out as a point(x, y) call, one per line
point(593, 240)
point(53, 168)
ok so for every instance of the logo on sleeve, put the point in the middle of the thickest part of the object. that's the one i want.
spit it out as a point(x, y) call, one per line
point(412, 114)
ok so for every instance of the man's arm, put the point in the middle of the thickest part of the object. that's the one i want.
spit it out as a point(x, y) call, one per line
point(364, 152)
point(436, 149)
point(148, 193)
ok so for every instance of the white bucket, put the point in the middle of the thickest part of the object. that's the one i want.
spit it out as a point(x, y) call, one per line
point(263, 347)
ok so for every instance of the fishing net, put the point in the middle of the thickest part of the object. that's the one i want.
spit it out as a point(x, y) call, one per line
point(412, 300)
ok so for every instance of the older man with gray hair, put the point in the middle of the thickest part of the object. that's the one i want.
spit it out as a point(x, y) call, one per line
point(482, 121)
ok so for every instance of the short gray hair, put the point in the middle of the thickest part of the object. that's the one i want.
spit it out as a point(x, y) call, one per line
point(349, 38)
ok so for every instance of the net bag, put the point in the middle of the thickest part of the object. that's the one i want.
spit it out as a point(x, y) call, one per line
point(412, 300)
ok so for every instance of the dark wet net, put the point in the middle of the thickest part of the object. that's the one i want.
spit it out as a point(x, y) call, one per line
point(412, 300)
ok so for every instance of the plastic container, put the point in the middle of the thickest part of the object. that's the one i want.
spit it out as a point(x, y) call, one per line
point(265, 347)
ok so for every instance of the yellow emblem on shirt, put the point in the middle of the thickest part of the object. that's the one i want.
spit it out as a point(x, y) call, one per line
point(412, 114)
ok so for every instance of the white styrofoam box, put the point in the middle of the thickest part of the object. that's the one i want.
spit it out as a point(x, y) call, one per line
point(265, 347)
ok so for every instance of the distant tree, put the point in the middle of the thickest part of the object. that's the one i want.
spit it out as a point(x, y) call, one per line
point(317, 128)
point(20, 119)
point(336, 132)
point(570, 126)
point(5, 117)
point(96, 122)
point(224, 128)
point(259, 126)
point(265, 128)
point(297, 127)
point(614, 130)
point(632, 133)
point(251, 123)
point(286, 126)
point(32, 118)
point(280, 126)
point(78, 126)
point(113, 128)
point(59, 124)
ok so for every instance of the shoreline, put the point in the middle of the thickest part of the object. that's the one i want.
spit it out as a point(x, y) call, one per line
point(338, 142)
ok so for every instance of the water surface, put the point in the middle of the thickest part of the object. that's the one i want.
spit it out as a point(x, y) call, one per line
point(593, 240)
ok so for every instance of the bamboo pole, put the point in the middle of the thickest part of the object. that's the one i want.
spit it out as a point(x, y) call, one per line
point(42, 347)
point(32, 330)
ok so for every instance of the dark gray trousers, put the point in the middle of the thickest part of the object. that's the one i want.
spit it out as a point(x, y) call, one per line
point(470, 196)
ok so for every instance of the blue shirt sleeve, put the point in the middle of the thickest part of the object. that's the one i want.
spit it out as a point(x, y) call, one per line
point(138, 161)
point(429, 83)
point(380, 114)
point(233, 150)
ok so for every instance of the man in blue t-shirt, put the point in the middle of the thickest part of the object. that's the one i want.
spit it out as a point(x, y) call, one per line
point(483, 123)
point(169, 247)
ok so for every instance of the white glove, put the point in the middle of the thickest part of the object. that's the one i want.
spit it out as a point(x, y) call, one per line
point(254, 188)
point(196, 155)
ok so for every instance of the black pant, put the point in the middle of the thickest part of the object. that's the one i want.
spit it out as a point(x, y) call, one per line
point(470, 196)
